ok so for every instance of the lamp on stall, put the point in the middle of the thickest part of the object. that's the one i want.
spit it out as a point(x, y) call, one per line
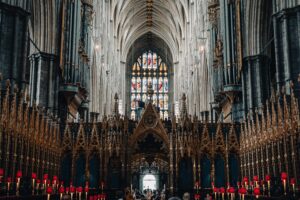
point(216, 190)
point(227, 189)
point(231, 191)
point(61, 191)
point(19, 176)
point(72, 191)
point(284, 178)
point(246, 181)
point(222, 191)
point(256, 179)
point(256, 192)
point(239, 184)
point(45, 177)
point(293, 183)
point(268, 179)
point(79, 191)
point(86, 190)
point(243, 192)
point(67, 190)
point(49, 191)
point(55, 179)
point(33, 177)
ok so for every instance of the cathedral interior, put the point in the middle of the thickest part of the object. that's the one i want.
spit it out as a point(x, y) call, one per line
point(149, 99)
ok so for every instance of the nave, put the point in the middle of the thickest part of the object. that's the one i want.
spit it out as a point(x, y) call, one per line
point(149, 99)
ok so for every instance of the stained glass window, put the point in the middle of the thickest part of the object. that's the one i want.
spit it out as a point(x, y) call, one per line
point(149, 68)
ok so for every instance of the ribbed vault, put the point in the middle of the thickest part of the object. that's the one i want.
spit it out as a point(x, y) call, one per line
point(163, 19)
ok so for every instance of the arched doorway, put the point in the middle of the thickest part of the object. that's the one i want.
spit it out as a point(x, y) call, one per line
point(149, 182)
point(149, 163)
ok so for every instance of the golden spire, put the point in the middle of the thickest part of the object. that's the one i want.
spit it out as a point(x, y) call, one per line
point(274, 119)
point(184, 112)
point(67, 142)
point(116, 105)
point(5, 106)
point(219, 140)
point(294, 110)
point(80, 140)
point(20, 122)
point(286, 110)
point(13, 109)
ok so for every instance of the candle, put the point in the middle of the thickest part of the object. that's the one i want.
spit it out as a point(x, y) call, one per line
point(216, 190)
point(231, 192)
point(61, 191)
point(256, 192)
point(283, 178)
point(72, 190)
point(55, 179)
point(222, 190)
point(33, 183)
point(8, 184)
point(284, 186)
point(245, 179)
point(33, 177)
point(268, 179)
point(45, 177)
point(86, 189)
point(293, 183)
point(79, 190)
point(243, 191)
point(255, 179)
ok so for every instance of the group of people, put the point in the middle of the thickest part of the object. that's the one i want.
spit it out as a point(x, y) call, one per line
point(155, 195)
point(145, 195)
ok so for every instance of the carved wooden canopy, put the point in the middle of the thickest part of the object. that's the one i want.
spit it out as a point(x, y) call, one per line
point(149, 124)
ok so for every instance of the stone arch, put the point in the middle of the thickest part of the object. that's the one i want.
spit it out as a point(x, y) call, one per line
point(166, 28)
point(43, 27)
point(258, 21)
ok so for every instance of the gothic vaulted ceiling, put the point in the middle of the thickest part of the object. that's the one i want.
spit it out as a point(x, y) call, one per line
point(161, 20)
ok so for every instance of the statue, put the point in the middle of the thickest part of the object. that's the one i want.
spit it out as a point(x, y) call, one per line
point(219, 49)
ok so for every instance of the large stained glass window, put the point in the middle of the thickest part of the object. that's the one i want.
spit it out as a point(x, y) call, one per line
point(149, 68)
